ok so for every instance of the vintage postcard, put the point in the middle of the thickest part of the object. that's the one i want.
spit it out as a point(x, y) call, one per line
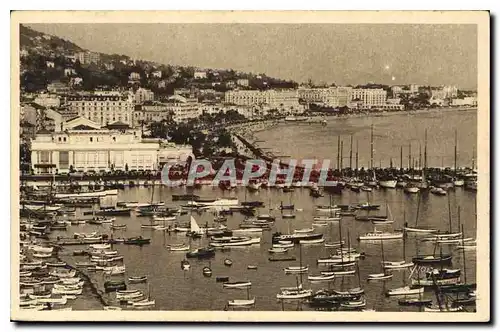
point(250, 166)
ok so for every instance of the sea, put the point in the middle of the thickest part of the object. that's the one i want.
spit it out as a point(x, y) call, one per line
point(175, 289)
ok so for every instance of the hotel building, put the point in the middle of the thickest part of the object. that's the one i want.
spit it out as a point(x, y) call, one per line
point(279, 99)
point(370, 98)
point(331, 96)
point(104, 108)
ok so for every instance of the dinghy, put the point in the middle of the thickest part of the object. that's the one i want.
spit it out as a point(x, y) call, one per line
point(241, 303)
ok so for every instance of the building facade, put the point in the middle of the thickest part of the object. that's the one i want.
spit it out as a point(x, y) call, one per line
point(182, 108)
point(142, 95)
point(331, 96)
point(370, 98)
point(86, 146)
point(279, 99)
point(103, 109)
point(48, 100)
point(151, 112)
point(86, 58)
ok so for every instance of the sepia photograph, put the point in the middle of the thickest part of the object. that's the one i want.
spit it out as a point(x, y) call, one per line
point(256, 166)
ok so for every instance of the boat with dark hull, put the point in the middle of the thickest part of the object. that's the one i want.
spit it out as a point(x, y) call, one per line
point(296, 237)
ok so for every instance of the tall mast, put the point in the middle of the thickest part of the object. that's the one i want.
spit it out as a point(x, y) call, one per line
point(409, 155)
point(350, 155)
point(419, 155)
point(357, 153)
point(425, 149)
point(371, 148)
point(449, 213)
point(463, 253)
point(455, 152)
point(401, 158)
point(341, 154)
point(338, 152)
point(473, 157)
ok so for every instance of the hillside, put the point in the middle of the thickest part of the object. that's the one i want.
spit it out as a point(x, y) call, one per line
point(46, 59)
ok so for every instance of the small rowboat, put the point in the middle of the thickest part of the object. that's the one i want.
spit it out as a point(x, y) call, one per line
point(221, 279)
point(444, 309)
point(144, 303)
point(321, 278)
point(178, 247)
point(137, 280)
point(241, 303)
point(277, 250)
point(228, 262)
point(237, 284)
point(112, 308)
point(252, 267)
point(296, 269)
point(207, 272)
point(379, 276)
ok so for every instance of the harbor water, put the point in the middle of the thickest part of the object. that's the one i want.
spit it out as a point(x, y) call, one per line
point(174, 289)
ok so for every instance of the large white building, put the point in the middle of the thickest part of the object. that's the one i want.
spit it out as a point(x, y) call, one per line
point(104, 108)
point(279, 99)
point(183, 108)
point(47, 100)
point(331, 96)
point(85, 145)
point(142, 95)
point(370, 98)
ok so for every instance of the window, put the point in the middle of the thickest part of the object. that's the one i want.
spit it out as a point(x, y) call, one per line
point(63, 159)
point(91, 139)
point(64, 139)
point(59, 139)
point(44, 157)
point(114, 139)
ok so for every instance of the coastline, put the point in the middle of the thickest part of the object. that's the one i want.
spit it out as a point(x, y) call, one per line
point(248, 129)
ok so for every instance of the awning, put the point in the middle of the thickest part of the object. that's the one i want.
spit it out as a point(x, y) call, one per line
point(44, 165)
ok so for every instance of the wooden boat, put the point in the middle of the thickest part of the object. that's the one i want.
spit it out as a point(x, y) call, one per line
point(325, 219)
point(388, 265)
point(288, 216)
point(356, 304)
point(252, 267)
point(144, 303)
point(350, 292)
point(207, 271)
point(337, 244)
point(228, 262)
point(221, 279)
point(296, 269)
point(314, 241)
point(237, 284)
point(139, 240)
point(432, 259)
point(136, 280)
point(283, 246)
point(321, 277)
point(275, 250)
point(282, 259)
point(443, 309)
point(339, 273)
point(292, 295)
point(379, 235)
point(406, 290)
point(304, 230)
point(111, 308)
point(415, 302)
point(241, 303)
point(185, 265)
point(119, 227)
point(379, 276)
point(178, 247)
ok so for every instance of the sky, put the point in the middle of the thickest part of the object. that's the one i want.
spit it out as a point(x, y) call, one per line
point(325, 53)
